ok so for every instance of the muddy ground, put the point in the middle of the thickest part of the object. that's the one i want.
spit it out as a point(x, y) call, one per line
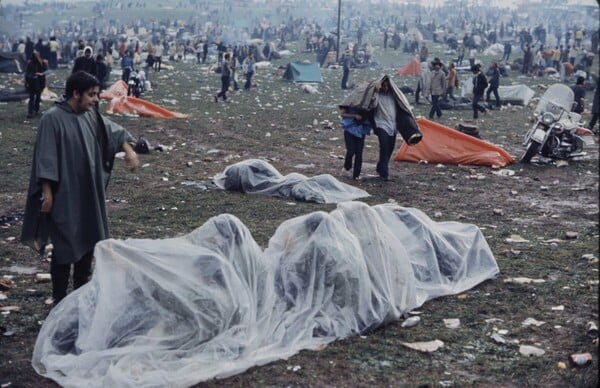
point(300, 132)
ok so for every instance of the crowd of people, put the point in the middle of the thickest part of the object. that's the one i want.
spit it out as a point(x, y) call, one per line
point(91, 49)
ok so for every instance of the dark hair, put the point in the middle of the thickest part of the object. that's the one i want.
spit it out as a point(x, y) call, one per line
point(580, 80)
point(80, 81)
point(475, 68)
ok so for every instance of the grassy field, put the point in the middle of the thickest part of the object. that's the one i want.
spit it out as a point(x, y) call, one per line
point(291, 129)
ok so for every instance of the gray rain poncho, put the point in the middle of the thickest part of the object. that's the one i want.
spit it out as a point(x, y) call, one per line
point(178, 311)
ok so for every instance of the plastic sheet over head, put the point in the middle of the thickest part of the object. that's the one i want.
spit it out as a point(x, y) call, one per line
point(178, 311)
point(256, 176)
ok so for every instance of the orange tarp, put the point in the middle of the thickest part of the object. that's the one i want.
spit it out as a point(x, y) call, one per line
point(411, 68)
point(445, 145)
point(134, 105)
point(117, 89)
point(121, 103)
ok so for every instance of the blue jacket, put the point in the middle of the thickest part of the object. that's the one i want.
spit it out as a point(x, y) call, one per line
point(358, 128)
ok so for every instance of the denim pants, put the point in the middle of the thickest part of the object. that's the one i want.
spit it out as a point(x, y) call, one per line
point(354, 149)
point(34, 102)
point(386, 148)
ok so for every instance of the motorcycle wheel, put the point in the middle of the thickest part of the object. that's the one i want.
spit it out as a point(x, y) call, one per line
point(531, 150)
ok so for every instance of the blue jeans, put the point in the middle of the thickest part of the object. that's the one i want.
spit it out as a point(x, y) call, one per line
point(354, 149)
point(224, 87)
point(476, 106)
point(34, 102)
point(248, 83)
point(435, 107)
point(386, 148)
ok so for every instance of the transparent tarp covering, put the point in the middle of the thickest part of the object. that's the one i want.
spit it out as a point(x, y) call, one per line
point(256, 176)
point(212, 303)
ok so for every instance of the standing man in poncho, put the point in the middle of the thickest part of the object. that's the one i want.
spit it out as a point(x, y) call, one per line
point(72, 162)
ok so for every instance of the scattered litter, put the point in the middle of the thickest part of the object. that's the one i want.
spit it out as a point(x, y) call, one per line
point(498, 212)
point(515, 238)
point(42, 278)
point(6, 284)
point(591, 259)
point(494, 320)
point(452, 323)
point(3, 296)
point(591, 329)
point(430, 346)
point(412, 321)
point(504, 172)
point(558, 308)
point(10, 308)
point(561, 365)
point(570, 235)
point(294, 368)
point(523, 280)
point(532, 322)
point(580, 359)
point(528, 350)
point(49, 301)
point(498, 339)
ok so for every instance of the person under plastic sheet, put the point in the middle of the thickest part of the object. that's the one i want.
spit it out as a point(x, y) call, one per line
point(188, 309)
point(259, 177)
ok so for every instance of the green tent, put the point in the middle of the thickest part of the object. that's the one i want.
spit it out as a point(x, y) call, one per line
point(303, 72)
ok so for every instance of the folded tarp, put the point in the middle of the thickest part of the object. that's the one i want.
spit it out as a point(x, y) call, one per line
point(179, 311)
point(447, 146)
point(119, 102)
point(256, 176)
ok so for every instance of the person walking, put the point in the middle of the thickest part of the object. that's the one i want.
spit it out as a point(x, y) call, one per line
point(451, 81)
point(346, 63)
point(35, 82)
point(437, 88)
point(72, 162)
point(249, 69)
point(225, 77)
point(385, 127)
point(479, 85)
point(494, 82)
point(595, 108)
point(356, 127)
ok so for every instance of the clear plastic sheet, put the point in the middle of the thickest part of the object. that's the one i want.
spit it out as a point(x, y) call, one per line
point(256, 176)
point(179, 311)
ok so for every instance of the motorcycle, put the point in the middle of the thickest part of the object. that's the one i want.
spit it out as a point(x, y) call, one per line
point(557, 132)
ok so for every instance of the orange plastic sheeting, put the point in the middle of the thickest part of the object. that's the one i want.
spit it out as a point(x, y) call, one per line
point(445, 145)
point(117, 89)
point(133, 105)
point(411, 68)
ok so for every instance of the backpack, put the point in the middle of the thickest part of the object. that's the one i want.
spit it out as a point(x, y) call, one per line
point(142, 146)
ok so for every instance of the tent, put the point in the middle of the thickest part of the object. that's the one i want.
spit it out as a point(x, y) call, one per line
point(11, 63)
point(411, 68)
point(519, 94)
point(445, 145)
point(303, 72)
